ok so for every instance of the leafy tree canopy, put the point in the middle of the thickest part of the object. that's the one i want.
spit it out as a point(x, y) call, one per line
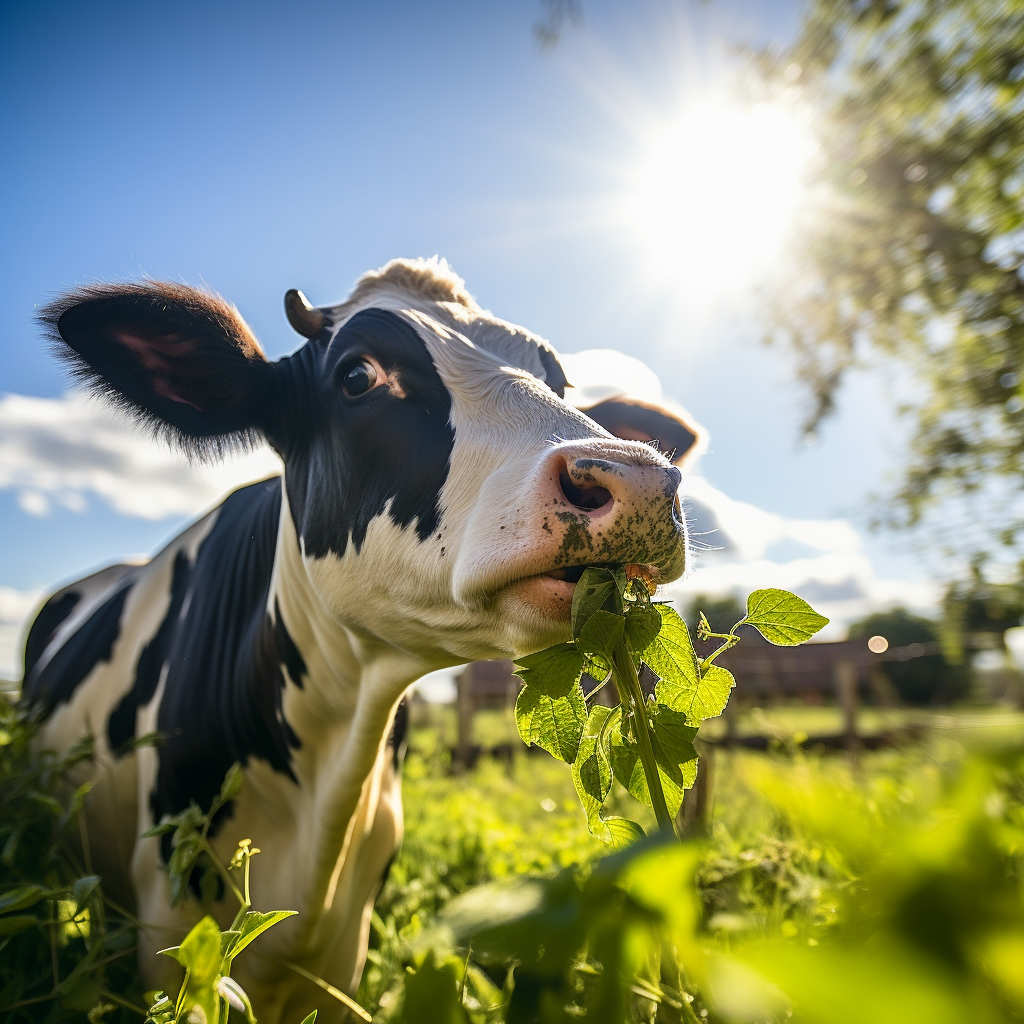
point(913, 245)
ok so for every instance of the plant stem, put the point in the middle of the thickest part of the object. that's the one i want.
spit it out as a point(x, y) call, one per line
point(730, 641)
point(223, 870)
point(631, 696)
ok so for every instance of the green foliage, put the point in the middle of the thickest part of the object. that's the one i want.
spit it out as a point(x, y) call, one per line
point(207, 992)
point(930, 920)
point(782, 618)
point(551, 711)
point(646, 744)
point(823, 895)
point(65, 949)
point(495, 823)
point(912, 248)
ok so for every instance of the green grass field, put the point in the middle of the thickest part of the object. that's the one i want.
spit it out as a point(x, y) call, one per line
point(777, 864)
point(824, 889)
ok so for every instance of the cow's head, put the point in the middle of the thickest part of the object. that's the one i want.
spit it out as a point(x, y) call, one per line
point(441, 492)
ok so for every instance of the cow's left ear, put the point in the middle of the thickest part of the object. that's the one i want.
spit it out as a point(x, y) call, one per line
point(634, 419)
point(180, 359)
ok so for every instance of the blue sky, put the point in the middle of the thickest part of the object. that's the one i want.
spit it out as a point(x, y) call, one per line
point(255, 147)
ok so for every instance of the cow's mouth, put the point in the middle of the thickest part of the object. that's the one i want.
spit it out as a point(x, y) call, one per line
point(570, 575)
point(551, 592)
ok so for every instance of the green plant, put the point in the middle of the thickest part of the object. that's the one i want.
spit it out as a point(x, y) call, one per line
point(646, 743)
point(208, 993)
point(66, 949)
point(826, 894)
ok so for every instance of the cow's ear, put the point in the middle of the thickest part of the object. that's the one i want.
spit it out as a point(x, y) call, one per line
point(182, 360)
point(634, 419)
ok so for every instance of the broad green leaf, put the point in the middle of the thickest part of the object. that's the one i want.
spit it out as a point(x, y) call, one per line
point(199, 954)
point(623, 832)
point(553, 672)
point(597, 666)
point(671, 653)
point(591, 772)
point(17, 923)
point(22, 897)
point(643, 623)
point(619, 575)
point(83, 889)
point(554, 723)
point(594, 590)
point(674, 754)
point(782, 618)
point(602, 633)
point(253, 925)
point(673, 740)
point(706, 700)
point(310, 1018)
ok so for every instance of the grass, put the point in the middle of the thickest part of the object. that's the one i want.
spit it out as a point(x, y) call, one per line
point(762, 870)
point(803, 849)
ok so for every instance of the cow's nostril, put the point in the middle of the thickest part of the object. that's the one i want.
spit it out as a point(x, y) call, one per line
point(587, 498)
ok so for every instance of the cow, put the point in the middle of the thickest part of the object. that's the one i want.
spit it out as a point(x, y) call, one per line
point(438, 502)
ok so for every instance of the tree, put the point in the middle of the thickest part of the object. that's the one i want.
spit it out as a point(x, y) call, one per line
point(913, 245)
point(924, 679)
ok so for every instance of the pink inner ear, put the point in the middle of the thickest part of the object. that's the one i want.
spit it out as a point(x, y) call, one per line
point(159, 356)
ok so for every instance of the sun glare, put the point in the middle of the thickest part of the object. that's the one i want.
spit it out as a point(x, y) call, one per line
point(714, 195)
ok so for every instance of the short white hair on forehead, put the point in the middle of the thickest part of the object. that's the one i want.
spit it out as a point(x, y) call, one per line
point(432, 279)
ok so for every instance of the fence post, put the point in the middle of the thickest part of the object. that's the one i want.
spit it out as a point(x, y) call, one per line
point(695, 814)
point(464, 707)
point(847, 677)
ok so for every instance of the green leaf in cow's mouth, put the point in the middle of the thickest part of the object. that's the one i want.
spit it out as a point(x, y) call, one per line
point(646, 743)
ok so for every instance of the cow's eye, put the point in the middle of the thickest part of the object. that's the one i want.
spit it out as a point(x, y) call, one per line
point(360, 377)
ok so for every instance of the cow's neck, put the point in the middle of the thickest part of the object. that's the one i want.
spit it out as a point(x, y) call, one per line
point(342, 712)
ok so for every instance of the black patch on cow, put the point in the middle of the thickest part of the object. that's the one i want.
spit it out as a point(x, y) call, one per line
point(121, 725)
point(55, 682)
point(222, 699)
point(398, 737)
point(46, 624)
point(359, 454)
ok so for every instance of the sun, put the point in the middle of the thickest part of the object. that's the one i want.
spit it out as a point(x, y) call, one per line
point(713, 195)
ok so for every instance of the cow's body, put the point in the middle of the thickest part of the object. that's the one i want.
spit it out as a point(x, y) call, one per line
point(426, 520)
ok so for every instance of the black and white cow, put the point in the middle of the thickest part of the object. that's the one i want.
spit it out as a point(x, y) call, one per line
point(439, 498)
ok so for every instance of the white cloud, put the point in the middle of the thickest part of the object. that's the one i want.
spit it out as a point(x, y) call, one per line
point(68, 451)
point(734, 540)
point(15, 608)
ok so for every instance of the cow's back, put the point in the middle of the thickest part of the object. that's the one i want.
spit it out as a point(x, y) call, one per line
point(100, 650)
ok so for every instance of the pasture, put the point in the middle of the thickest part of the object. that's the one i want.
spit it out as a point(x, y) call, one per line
point(791, 906)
